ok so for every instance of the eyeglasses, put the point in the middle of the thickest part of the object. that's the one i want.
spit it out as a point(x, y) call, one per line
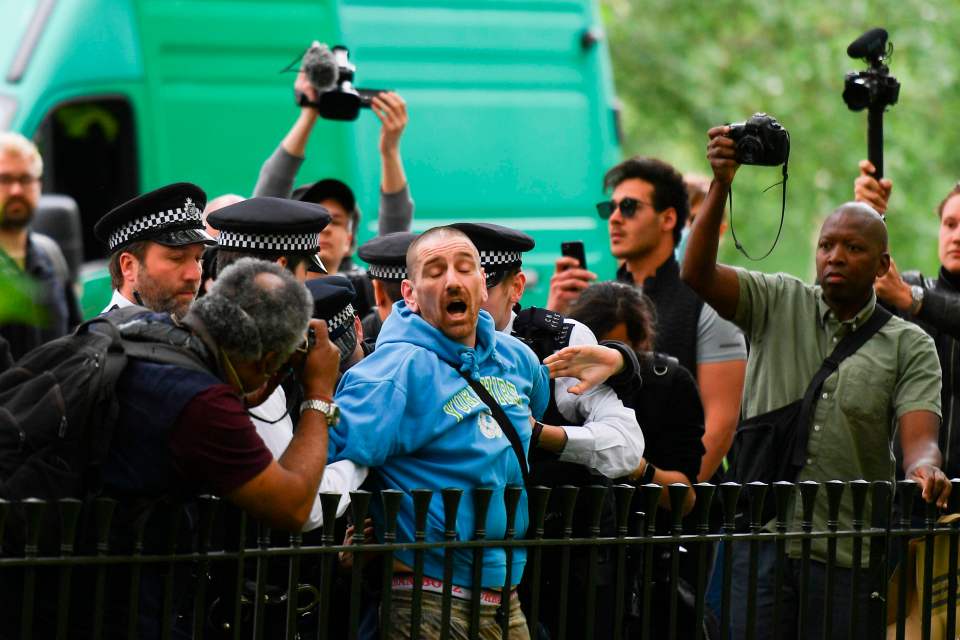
point(627, 206)
point(25, 180)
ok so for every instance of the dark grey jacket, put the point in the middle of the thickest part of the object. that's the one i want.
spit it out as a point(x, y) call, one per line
point(939, 316)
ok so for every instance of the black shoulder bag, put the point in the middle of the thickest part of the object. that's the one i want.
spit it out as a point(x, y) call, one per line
point(505, 425)
point(772, 446)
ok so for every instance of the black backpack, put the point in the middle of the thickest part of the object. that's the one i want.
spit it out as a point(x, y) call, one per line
point(58, 406)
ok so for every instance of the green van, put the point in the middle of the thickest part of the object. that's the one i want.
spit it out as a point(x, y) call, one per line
point(513, 114)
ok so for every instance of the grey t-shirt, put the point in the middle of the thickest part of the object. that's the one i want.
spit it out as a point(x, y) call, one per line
point(718, 340)
point(280, 170)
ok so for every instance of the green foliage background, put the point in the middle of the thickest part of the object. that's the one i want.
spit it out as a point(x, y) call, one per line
point(682, 66)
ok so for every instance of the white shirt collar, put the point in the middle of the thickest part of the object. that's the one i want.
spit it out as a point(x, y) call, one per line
point(117, 301)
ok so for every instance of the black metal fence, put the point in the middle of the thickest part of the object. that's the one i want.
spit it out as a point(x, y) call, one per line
point(100, 569)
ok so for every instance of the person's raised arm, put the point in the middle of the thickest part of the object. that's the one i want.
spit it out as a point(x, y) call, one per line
point(280, 170)
point(717, 284)
point(921, 455)
point(283, 494)
point(396, 206)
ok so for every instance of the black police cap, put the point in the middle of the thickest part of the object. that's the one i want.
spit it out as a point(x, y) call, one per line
point(500, 247)
point(386, 255)
point(332, 302)
point(327, 189)
point(271, 226)
point(170, 215)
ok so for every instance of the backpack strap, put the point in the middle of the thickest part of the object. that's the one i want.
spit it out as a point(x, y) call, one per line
point(505, 424)
point(846, 348)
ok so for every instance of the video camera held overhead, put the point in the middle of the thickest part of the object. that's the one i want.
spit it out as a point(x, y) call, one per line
point(331, 73)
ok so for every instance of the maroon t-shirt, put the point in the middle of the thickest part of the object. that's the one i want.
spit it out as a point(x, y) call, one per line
point(214, 443)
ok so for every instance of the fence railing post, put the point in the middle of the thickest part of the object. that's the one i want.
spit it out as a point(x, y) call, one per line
point(623, 495)
point(834, 489)
point(511, 500)
point(359, 507)
point(103, 519)
point(808, 498)
point(951, 630)
point(906, 490)
point(481, 504)
point(568, 500)
point(69, 516)
point(421, 506)
point(391, 507)
point(729, 494)
point(858, 492)
point(650, 499)
point(596, 496)
point(701, 515)
point(538, 498)
point(451, 504)
point(783, 493)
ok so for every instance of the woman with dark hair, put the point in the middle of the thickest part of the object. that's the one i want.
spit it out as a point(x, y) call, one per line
point(663, 394)
point(667, 403)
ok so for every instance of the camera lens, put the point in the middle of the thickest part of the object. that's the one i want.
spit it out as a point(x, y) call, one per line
point(749, 150)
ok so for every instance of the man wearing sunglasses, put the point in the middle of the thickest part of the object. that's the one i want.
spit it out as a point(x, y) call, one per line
point(645, 217)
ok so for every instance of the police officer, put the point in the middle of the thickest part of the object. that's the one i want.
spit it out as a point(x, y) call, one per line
point(333, 298)
point(601, 439)
point(156, 241)
point(386, 258)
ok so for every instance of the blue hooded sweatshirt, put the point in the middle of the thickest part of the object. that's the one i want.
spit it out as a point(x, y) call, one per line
point(408, 414)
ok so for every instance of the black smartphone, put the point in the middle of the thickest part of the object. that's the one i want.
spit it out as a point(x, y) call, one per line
point(574, 250)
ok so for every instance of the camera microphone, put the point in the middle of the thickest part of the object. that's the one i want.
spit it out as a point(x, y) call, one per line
point(321, 67)
point(871, 44)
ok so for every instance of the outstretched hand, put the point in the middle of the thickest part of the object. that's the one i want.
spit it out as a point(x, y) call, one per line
point(590, 364)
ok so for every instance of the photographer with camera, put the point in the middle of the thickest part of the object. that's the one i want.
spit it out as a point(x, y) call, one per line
point(278, 173)
point(847, 434)
point(932, 303)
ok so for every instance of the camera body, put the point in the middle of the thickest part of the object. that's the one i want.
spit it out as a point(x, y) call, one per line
point(872, 87)
point(760, 140)
point(343, 101)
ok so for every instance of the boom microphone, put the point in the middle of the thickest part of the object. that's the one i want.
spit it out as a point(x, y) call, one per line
point(871, 44)
point(321, 67)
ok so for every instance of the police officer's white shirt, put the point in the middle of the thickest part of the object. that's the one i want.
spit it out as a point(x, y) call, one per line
point(117, 301)
point(342, 477)
point(610, 440)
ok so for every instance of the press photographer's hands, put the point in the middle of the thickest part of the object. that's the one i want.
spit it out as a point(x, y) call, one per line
point(722, 153)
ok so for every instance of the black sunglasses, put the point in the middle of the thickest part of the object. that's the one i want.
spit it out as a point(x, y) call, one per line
point(627, 206)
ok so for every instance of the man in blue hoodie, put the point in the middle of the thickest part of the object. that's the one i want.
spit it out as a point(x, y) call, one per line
point(409, 415)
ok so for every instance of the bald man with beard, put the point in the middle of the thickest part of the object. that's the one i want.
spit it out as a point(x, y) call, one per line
point(890, 385)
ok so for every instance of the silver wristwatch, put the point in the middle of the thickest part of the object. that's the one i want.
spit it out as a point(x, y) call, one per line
point(330, 410)
point(916, 298)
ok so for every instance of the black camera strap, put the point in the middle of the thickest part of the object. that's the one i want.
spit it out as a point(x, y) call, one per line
point(502, 419)
point(783, 209)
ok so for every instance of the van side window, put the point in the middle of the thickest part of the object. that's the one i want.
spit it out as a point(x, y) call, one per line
point(89, 153)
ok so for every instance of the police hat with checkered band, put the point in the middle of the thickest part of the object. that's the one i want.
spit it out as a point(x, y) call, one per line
point(271, 227)
point(170, 216)
point(332, 302)
point(386, 255)
point(501, 248)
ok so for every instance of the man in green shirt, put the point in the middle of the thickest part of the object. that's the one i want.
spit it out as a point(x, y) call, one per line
point(890, 384)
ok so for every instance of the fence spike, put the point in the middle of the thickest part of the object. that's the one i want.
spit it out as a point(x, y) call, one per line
point(953, 507)
point(650, 499)
point(858, 491)
point(359, 507)
point(568, 500)
point(782, 493)
point(808, 497)
point(729, 494)
point(756, 495)
point(481, 504)
point(207, 506)
point(4, 510)
point(906, 490)
point(537, 498)
point(391, 507)
point(451, 505)
point(623, 495)
point(701, 508)
point(834, 496)
point(103, 516)
point(677, 493)
point(421, 505)
point(597, 495)
point(511, 499)
point(69, 516)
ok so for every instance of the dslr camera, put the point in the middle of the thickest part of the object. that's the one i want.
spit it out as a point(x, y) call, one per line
point(331, 73)
point(761, 140)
